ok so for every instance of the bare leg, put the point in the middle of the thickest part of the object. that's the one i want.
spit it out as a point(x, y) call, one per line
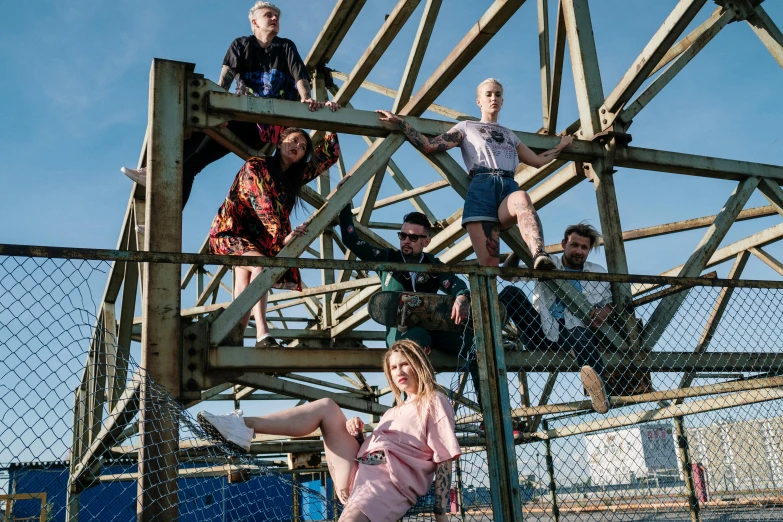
point(485, 238)
point(518, 207)
point(244, 276)
point(340, 447)
point(241, 280)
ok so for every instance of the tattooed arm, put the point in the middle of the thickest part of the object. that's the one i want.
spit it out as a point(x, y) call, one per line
point(442, 490)
point(528, 157)
point(227, 75)
point(445, 141)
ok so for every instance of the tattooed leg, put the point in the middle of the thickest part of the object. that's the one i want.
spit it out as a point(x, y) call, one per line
point(492, 233)
point(442, 488)
point(485, 238)
point(529, 223)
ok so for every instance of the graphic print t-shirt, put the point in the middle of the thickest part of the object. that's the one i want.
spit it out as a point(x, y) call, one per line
point(488, 145)
point(268, 73)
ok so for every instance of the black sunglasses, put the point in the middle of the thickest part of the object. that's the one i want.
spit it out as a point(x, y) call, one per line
point(412, 237)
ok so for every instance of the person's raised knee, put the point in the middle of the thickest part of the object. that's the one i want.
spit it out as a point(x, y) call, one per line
point(327, 404)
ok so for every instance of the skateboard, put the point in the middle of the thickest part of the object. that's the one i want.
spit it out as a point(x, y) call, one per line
point(403, 310)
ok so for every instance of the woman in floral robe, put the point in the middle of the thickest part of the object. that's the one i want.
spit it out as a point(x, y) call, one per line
point(254, 220)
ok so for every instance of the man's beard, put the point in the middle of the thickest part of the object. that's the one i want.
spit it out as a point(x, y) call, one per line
point(406, 250)
point(569, 262)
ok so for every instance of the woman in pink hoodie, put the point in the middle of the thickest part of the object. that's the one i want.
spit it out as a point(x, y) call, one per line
point(381, 477)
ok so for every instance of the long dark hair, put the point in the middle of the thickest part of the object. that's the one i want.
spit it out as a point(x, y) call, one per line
point(292, 180)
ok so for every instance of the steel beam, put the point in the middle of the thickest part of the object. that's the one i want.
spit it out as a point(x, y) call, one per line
point(478, 36)
point(320, 360)
point(391, 27)
point(681, 438)
point(693, 165)
point(557, 71)
point(667, 308)
point(544, 58)
point(391, 93)
point(770, 261)
point(689, 408)
point(161, 336)
point(618, 401)
point(501, 456)
point(366, 123)
point(416, 56)
point(712, 27)
point(769, 33)
point(762, 238)
point(109, 434)
point(717, 314)
point(682, 15)
point(265, 382)
point(759, 239)
point(773, 193)
point(333, 32)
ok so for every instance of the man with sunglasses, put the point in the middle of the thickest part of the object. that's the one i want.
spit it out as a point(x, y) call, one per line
point(414, 237)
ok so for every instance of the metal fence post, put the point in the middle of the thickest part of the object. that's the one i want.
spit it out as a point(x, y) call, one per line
point(687, 470)
point(161, 336)
point(550, 469)
point(496, 407)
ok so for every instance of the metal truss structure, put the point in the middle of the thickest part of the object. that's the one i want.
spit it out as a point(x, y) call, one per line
point(191, 347)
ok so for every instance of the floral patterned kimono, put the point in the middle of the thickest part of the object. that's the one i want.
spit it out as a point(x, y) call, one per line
point(256, 213)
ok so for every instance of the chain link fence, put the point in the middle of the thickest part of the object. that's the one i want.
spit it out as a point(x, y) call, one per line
point(64, 461)
point(692, 381)
point(691, 373)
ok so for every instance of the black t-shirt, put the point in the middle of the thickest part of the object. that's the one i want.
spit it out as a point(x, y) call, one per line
point(268, 73)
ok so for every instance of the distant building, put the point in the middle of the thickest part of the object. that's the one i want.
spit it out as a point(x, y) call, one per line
point(625, 456)
point(742, 455)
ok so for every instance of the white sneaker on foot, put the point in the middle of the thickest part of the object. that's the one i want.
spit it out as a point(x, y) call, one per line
point(229, 428)
point(137, 175)
point(594, 386)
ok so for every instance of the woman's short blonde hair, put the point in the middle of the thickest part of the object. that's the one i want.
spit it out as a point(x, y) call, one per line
point(421, 367)
point(262, 5)
point(488, 80)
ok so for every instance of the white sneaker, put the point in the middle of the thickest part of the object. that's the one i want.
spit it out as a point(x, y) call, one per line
point(229, 428)
point(139, 176)
point(594, 386)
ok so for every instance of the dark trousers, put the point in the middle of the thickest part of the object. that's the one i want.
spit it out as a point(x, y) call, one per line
point(200, 150)
point(527, 319)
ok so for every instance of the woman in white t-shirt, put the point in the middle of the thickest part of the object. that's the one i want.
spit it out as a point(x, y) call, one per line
point(492, 153)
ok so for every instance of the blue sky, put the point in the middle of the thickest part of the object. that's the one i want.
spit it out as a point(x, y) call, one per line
point(75, 107)
point(75, 110)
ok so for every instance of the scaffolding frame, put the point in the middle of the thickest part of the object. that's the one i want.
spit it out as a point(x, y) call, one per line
point(182, 101)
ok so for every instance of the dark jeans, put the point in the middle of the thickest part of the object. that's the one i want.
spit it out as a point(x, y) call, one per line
point(527, 319)
point(200, 150)
point(452, 343)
